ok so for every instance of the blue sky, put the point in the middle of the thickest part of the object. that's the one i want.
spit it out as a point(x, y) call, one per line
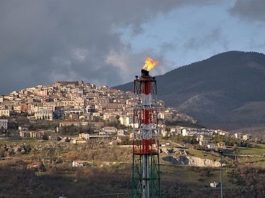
point(194, 33)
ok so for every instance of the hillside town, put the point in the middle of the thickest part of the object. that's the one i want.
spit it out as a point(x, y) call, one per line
point(93, 111)
point(77, 111)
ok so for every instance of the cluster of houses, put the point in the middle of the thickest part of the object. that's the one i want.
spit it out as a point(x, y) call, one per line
point(203, 136)
point(77, 104)
point(82, 105)
point(75, 101)
point(110, 133)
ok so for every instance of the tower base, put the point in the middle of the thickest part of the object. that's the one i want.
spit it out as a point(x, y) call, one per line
point(145, 176)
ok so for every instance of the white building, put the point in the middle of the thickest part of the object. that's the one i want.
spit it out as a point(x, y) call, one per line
point(201, 140)
point(184, 132)
point(124, 120)
point(214, 184)
point(120, 132)
point(84, 136)
point(161, 115)
point(211, 146)
point(77, 164)
point(4, 112)
point(238, 135)
point(246, 137)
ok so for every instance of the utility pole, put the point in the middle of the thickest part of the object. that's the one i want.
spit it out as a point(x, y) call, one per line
point(221, 175)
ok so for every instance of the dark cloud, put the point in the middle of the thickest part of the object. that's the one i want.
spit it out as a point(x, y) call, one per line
point(249, 10)
point(46, 40)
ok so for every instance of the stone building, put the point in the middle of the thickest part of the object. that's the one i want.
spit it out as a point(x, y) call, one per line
point(44, 114)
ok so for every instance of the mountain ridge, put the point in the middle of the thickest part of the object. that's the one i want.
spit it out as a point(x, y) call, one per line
point(213, 89)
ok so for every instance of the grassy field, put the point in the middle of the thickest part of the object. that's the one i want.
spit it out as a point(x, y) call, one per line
point(111, 180)
point(258, 150)
point(252, 156)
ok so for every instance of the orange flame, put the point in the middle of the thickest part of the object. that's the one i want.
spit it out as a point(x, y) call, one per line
point(150, 64)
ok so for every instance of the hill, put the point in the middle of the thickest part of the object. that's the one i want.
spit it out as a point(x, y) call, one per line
point(224, 91)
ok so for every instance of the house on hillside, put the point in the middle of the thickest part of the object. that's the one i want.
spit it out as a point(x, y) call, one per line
point(109, 130)
point(246, 137)
point(184, 132)
point(24, 134)
point(44, 114)
point(84, 136)
point(4, 112)
point(120, 132)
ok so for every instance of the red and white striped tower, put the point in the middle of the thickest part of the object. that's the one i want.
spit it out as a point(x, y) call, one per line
point(145, 175)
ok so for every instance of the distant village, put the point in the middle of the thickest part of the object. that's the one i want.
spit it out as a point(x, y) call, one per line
point(76, 112)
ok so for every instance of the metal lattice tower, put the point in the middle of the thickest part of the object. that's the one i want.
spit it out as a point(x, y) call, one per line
point(145, 169)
